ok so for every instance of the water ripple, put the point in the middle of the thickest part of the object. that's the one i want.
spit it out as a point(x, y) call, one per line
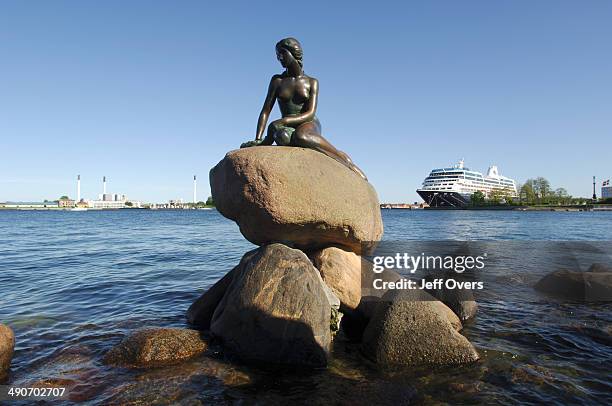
point(73, 284)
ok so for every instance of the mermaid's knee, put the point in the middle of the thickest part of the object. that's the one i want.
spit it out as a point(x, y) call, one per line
point(302, 139)
point(283, 136)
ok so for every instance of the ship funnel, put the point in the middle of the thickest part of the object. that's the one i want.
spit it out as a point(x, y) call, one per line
point(492, 172)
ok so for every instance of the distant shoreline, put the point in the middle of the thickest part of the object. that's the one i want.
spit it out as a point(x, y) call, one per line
point(89, 209)
point(585, 208)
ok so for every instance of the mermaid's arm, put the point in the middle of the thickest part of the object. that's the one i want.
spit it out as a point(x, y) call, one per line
point(267, 108)
point(263, 116)
point(311, 108)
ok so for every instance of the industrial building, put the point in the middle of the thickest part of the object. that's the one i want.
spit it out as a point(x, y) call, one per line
point(606, 190)
point(105, 200)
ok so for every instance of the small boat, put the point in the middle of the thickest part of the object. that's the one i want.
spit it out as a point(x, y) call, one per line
point(79, 209)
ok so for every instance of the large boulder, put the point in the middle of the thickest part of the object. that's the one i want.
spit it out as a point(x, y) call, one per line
point(7, 346)
point(297, 196)
point(409, 328)
point(341, 271)
point(594, 285)
point(201, 311)
point(151, 347)
point(275, 310)
point(375, 288)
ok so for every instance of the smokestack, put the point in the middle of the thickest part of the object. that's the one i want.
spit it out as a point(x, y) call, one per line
point(78, 188)
point(594, 194)
point(104, 185)
point(195, 186)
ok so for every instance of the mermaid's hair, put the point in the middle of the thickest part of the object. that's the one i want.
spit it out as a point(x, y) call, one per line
point(293, 46)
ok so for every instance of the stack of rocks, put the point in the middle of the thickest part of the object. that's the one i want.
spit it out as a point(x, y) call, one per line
point(312, 218)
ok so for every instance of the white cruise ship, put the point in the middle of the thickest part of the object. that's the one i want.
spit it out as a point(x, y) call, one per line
point(453, 187)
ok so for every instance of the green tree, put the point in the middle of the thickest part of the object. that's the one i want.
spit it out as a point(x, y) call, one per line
point(129, 204)
point(561, 196)
point(496, 196)
point(527, 193)
point(210, 201)
point(542, 189)
point(477, 199)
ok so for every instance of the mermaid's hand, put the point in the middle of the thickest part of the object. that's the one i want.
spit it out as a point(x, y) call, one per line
point(251, 143)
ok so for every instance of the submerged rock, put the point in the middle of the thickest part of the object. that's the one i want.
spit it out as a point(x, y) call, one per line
point(341, 271)
point(7, 347)
point(408, 328)
point(152, 347)
point(296, 196)
point(275, 310)
point(597, 267)
point(594, 285)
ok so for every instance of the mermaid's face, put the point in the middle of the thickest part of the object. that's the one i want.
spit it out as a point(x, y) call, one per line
point(283, 56)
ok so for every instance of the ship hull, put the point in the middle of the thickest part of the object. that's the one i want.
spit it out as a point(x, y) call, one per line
point(444, 199)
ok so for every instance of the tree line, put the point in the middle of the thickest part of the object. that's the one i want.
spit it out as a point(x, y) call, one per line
point(536, 191)
point(539, 191)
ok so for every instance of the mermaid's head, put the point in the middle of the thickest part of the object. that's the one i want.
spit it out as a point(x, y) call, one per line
point(291, 46)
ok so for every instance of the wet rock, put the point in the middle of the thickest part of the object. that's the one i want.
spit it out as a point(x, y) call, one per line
point(199, 381)
point(448, 312)
point(354, 323)
point(341, 271)
point(369, 304)
point(408, 328)
point(152, 347)
point(74, 367)
point(201, 311)
point(460, 301)
point(296, 196)
point(275, 310)
point(371, 282)
point(7, 347)
point(594, 285)
point(470, 388)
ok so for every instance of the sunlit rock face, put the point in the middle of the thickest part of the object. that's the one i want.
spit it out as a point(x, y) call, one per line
point(296, 196)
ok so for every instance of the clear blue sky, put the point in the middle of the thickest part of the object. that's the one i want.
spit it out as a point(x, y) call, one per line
point(149, 93)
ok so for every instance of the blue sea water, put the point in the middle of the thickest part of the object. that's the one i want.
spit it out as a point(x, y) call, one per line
point(72, 284)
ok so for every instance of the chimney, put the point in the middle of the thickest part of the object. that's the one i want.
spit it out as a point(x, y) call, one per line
point(195, 201)
point(78, 199)
point(104, 185)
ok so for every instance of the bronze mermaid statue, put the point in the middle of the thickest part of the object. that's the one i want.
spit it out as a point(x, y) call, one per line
point(297, 96)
